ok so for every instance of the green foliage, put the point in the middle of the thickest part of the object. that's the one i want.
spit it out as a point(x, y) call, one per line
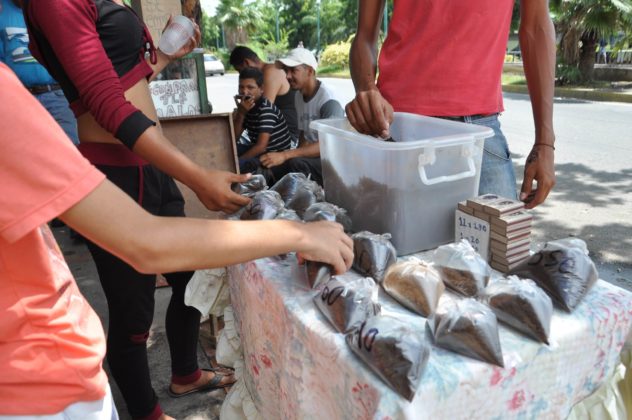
point(336, 55)
point(566, 74)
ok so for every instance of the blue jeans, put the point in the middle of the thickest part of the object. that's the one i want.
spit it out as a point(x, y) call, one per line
point(497, 172)
point(56, 104)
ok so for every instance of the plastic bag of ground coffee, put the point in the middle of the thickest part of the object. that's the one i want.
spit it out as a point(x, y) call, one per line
point(307, 193)
point(394, 351)
point(462, 268)
point(565, 273)
point(288, 214)
point(415, 284)
point(288, 184)
point(248, 188)
point(373, 254)
point(347, 304)
point(467, 327)
point(264, 205)
point(329, 212)
point(522, 305)
point(317, 273)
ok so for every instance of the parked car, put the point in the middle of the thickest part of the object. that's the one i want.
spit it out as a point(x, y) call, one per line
point(213, 65)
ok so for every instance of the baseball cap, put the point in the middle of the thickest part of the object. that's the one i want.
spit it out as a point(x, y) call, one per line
point(299, 56)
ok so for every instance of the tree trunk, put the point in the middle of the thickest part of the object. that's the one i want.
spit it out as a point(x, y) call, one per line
point(587, 56)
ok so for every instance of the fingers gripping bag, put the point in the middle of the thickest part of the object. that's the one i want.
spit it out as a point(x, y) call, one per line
point(522, 305)
point(565, 273)
point(416, 285)
point(248, 188)
point(329, 212)
point(347, 304)
point(462, 268)
point(317, 273)
point(467, 327)
point(394, 351)
point(373, 254)
point(264, 205)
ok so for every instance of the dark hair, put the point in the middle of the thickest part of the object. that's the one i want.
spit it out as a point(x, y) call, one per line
point(240, 54)
point(252, 73)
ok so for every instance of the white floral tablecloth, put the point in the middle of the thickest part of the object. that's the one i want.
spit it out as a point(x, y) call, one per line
point(296, 366)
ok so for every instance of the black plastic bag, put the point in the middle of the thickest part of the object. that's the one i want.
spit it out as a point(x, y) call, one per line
point(329, 212)
point(395, 352)
point(462, 268)
point(565, 273)
point(373, 254)
point(265, 205)
point(347, 304)
point(248, 188)
point(522, 305)
point(467, 327)
point(416, 285)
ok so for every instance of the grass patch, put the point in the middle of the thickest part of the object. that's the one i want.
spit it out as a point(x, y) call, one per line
point(513, 79)
point(333, 71)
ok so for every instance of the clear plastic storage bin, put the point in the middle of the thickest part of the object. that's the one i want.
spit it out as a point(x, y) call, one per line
point(409, 188)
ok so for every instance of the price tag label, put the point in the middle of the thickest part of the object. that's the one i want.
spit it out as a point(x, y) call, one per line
point(473, 230)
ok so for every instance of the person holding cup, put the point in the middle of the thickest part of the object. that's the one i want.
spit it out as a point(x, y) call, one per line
point(103, 57)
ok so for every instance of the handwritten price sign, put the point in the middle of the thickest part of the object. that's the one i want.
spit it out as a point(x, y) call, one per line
point(473, 230)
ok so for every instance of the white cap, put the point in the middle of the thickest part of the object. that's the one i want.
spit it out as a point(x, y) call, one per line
point(299, 56)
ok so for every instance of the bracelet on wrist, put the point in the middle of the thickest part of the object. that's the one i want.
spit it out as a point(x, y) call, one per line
point(544, 144)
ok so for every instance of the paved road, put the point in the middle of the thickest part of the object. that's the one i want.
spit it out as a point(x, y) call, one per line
point(593, 196)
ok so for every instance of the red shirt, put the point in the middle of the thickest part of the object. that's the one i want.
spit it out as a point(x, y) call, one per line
point(51, 342)
point(445, 57)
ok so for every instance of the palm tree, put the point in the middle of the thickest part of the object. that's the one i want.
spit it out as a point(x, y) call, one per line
point(582, 23)
point(238, 20)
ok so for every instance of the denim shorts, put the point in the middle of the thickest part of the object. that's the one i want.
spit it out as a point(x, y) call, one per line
point(497, 171)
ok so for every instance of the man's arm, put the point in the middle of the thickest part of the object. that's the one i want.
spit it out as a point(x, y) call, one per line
point(369, 112)
point(272, 82)
point(537, 45)
point(153, 244)
point(304, 149)
point(259, 148)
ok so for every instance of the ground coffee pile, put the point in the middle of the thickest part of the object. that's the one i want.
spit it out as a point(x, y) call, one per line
point(462, 268)
point(416, 285)
point(373, 254)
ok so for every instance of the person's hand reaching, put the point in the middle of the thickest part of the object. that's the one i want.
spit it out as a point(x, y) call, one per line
point(370, 113)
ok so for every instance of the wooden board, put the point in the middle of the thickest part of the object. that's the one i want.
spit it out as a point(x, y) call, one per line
point(207, 140)
point(155, 14)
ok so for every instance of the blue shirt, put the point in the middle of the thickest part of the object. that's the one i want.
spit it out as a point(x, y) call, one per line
point(14, 47)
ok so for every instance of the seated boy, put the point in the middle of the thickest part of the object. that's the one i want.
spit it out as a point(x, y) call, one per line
point(266, 127)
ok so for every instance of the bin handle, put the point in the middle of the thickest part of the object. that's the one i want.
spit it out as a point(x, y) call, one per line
point(430, 157)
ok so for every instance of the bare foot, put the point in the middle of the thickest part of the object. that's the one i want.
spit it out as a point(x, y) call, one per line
point(205, 378)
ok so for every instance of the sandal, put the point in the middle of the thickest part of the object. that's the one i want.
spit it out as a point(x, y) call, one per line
point(213, 384)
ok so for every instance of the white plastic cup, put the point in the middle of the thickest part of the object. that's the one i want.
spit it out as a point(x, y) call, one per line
point(177, 34)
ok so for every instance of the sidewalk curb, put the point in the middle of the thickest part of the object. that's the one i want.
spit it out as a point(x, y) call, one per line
point(589, 95)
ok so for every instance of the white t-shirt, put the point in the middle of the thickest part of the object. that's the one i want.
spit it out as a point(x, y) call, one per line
point(321, 106)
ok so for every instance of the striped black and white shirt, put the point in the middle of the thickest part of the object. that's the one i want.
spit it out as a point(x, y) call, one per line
point(265, 117)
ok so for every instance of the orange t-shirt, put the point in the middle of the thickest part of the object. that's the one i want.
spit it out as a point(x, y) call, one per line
point(445, 57)
point(51, 342)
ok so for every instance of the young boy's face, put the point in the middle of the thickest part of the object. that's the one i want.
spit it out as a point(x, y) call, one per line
point(248, 87)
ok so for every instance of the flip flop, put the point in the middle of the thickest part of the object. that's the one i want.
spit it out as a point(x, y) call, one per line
point(213, 384)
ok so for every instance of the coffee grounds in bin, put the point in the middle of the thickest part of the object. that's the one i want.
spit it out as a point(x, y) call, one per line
point(565, 273)
point(415, 284)
point(394, 351)
point(522, 305)
point(462, 268)
point(329, 212)
point(347, 304)
point(467, 327)
point(248, 188)
point(265, 205)
point(373, 254)
point(317, 273)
